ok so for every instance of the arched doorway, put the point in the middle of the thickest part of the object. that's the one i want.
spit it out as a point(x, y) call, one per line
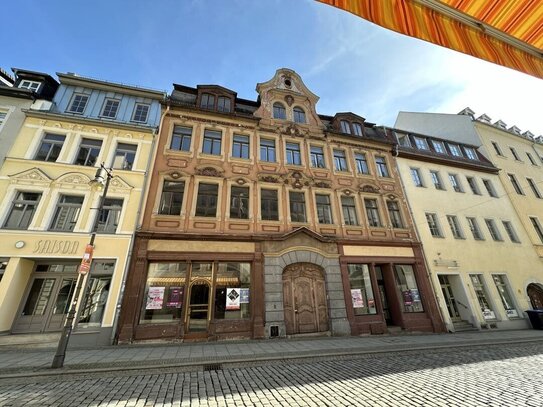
point(535, 293)
point(304, 299)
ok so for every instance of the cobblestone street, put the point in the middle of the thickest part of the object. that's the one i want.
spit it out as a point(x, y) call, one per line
point(504, 375)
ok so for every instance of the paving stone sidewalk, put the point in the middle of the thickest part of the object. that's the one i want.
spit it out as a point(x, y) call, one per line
point(23, 362)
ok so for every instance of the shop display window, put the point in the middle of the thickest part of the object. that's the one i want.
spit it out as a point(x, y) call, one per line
point(407, 287)
point(98, 287)
point(232, 291)
point(361, 289)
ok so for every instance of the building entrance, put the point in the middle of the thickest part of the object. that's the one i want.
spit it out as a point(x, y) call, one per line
point(448, 296)
point(383, 295)
point(198, 307)
point(535, 293)
point(304, 299)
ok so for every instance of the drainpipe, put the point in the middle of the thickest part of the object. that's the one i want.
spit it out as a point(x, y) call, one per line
point(139, 217)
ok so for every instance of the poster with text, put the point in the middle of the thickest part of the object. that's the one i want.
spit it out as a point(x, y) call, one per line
point(155, 298)
point(244, 296)
point(356, 295)
point(232, 298)
point(407, 297)
point(176, 297)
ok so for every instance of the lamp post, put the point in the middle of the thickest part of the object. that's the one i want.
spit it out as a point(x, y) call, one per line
point(102, 178)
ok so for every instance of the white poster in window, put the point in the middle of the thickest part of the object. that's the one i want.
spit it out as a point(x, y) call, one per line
point(488, 314)
point(511, 313)
point(155, 298)
point(244, 296)
point(232, 298)
point(358, 300)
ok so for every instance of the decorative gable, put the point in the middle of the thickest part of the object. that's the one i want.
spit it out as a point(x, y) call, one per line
point(33, 176)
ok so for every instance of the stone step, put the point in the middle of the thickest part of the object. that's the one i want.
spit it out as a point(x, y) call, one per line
point(33, 341)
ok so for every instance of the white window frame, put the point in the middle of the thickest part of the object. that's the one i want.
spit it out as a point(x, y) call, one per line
point(136, 108)
point(106, 100)
point(30, 85)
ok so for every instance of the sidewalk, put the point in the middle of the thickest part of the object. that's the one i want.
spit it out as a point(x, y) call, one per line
point(207, 355)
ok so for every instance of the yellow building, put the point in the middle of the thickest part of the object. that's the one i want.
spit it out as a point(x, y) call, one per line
point(49, 209)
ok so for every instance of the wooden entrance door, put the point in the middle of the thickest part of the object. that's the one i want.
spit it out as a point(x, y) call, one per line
point(304, 299)
point(535, 293)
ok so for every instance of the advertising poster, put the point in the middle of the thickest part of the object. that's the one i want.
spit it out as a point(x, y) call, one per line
point(232, 298)
point(155, 298)
point(356, 295)
point(415, 295)
point(407, 297)
point(175, 298)
point(244, 296)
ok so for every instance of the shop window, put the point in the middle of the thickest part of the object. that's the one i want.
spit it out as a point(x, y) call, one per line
point(22, 210)
point(340, 161)
point(361, 163)
point(232, 291)
point(108, 218)
point(239, 203)
point(206, 203)
point(125, 155)
point(372, 211)
point(408, 289)
point(67, 213)
point(181, 138)
point(505, 295)
point(317, 157)
point(293, 154)
point(395, 215)
point(324, 209)
point(267, 150)
point(98, 286)
point(299, 115)
point(50, 147)
point(171, 199)
point(240, 146)
point(297, 206)
point(212, 142)
point(164, 291)
point(361, 290)
point(382, 169)
point(269, 206)
point(279, 111)
point(482, 297)
point(349, 210)
point(89, 150)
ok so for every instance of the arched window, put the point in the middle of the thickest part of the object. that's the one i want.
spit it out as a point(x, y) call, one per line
point(299, 115)
point(223, 104)
point(279, 111)
point(345, 126)
point(208, 101)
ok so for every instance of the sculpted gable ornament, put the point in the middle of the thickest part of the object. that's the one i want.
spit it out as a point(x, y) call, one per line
point(73, 178)
point(209, 172)
point(372, 189)
point(268, 178)
point(33, 175)
point(118, 183)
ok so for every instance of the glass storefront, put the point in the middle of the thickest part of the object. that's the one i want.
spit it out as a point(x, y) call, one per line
point(361, 290)
point(97, 292)
point(408, 290)
point(505, 295)
point(482, 297)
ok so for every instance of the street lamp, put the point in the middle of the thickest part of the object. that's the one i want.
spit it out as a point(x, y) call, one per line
point(101, 179)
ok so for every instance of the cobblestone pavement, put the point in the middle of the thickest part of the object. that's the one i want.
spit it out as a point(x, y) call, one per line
point(501, 375)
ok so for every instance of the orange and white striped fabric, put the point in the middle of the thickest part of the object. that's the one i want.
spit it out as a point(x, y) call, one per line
point(506, 32)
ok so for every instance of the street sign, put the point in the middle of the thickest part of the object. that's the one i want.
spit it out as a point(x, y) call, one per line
point(84, 267)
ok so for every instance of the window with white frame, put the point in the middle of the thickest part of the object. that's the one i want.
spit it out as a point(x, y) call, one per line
point(482, 296)
point(66, 213)
point(299, 115)
point(436, 180)
point(22, 210)
point(78, 104)
point(455, 150)
point(348, 207)
point(324, 208)
point(50, 147)
point(537, 227)
point(490, 188)
point(181, 138)
point(110, 108)
point(141, 113)
point(505, 295)
point(361, 163)
point(508, 226)
point(415, 175)
point(470, 153)
point(240, 146)
point(212, 142)
point(475, 230)
point(345, 126)
point(533, 186)
point(297, 206)
point(455, 182)
point(267, 150)
point(433, 225)
point(421, 143)
point(279, 111)
point(88, 153)
point(473, 185)
point(109, 216)
point(516, 185)
point(239, 202)
point(439, 147)
point(293, 154)
point(171, 198)
point(317, 157)
point(340, 160)
point(357, 127)
point(30, 85)
point(223, 104)
point(454, 224)
point(125, 155)
point(381, 165)
point(372, 212)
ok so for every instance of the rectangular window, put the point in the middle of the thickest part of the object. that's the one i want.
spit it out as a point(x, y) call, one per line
point(473, 185)
point(108, 218)
point(22, 210)
point(340, 161)
point(421, 143)
point(269, 204)
point(534, 188)
point(436, 180)
point(505, 295)
point(455, 183)
point(181, 138)
point(433, 224)
point(293, 154)
point(89, 150)
point(30, 85)
point(408, 290)
point(97, 292)
point(124, 156)
point(417, 180)
point(395, 215)
point(164, 293)
point(324, 209)
point(79, 102)
point(172, 198)
point(455, 150)
point(240, 146)
point(372, 212)
point(537, 227)
point(297, 206)
point(141, 112)
point(345, 126)
point(357, 129)
point(381, 164)
point(206, 203)
point(239, 202)
point(361, 290)
point(475, 230)
point(223, 104)
point(455, 227)
point(67, 213)
point(111, 106)
point(490, 188)
point(212, 142)
point(515, 184)
point(497, 148)
point(207, 101)
point(3, 115)
point(267, 150)
point(50, 147)
point(515, 155)
point(232, 279)
point(438, 146)
point(508, 226)
point(403, 139)
point(527, 153)
point(470, 153)
point(361, 163)
point(349, 210)
point(482, 297)
point(317, 157)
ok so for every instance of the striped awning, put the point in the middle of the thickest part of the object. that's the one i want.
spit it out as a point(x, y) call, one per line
point(506, 32)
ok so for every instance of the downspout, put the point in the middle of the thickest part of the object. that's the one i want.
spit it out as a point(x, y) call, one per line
point(139, 217)
point(395, 153)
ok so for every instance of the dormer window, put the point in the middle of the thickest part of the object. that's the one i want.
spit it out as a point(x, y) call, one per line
point(299, 115)
point(470, 152)
point(111, 106)
point(455, 150)
point(223, 104)
point(357, 127)
point(403, 139)
point(345, 126)
point(207, 101)
point(30, 85)
point(279, 111)
point(438, 146)
point(421, 143)
point(79, 102)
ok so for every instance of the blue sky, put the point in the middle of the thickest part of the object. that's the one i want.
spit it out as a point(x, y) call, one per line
point(351, 64)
